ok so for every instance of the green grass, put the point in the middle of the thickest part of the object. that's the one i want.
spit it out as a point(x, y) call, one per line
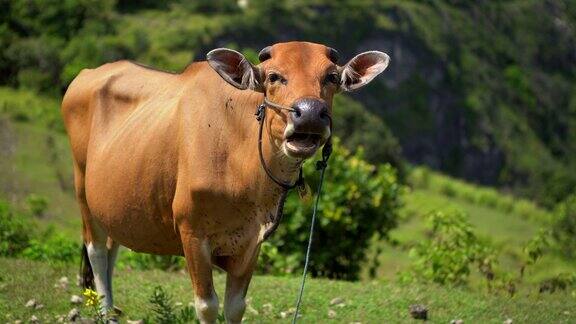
point(368, 302)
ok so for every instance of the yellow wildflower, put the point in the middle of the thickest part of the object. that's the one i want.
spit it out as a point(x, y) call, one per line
point(91, 297)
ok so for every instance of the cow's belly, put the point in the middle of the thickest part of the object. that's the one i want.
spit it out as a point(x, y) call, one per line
point(138, 225)
point(133, 206)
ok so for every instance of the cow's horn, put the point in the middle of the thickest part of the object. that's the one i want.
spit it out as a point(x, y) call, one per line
point(333, 55)
point(264, 54)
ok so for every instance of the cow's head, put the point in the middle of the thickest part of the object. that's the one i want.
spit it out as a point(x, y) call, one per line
point(301, 75)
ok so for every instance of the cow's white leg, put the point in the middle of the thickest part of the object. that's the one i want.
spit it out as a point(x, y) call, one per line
point(240, 270)
point(98, 256)
point(235, 301)
point(199, 261)
point(112, 254)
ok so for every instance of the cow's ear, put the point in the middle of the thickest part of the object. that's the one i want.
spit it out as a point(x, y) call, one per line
point(234, 68)
point(364, 67)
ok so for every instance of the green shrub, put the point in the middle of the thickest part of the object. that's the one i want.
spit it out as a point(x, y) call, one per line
point(358, 201)
point(14, 231)
point(564, 228)
point(561, 281)
point(37, 204)
point(451, 251)
point(56, 248)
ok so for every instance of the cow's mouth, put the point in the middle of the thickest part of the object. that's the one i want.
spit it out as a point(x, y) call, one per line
point(302, 145)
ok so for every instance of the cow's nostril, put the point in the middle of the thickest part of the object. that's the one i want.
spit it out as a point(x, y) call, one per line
point(297, 112)
point(324, 114)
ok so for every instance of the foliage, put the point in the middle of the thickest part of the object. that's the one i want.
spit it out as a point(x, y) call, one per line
point(19, 239)
point(14, 231)
point(448, 255)
point(28, 106)
point(357, 127)
point(34, 32)
point(358, 201)
point(561, 281)
point(37, 204)
point(564, 228)
point(165, 312)
point(55, 248)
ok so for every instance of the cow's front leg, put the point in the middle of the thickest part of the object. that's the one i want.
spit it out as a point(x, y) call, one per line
point(198, 258)
point(239, 273)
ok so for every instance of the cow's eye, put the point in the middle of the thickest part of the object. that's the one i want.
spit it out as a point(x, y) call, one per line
point(273, 77)
point(332, 78)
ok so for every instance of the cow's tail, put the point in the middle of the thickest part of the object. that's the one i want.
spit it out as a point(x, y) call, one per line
point(86, 273)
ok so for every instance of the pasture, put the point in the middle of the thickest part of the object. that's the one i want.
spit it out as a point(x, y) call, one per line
point(272, 297)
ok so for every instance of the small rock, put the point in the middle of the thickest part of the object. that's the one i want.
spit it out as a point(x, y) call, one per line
point(62, 283)
point(34, 319)
point(75, 299)
point(31, 303)
point(135, 321)
point(178, 304)
point(73, 315)
point(336, 301)
point(39, 306)
point(331, 313)
point(267, 308)
point(289, 312)
point(355, 322)
point(17, 322)
point(566, 313)
point(457, 321)
point(508, 321)
point(252, 310)
point(60, 318)
point(419, 312)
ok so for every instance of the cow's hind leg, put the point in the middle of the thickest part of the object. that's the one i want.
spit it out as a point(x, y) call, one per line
point(100, 255)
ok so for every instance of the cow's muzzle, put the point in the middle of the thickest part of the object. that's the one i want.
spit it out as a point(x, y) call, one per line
point(308, 129)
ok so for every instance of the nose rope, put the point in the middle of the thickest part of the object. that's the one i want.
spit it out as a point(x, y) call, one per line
point(278, 106)
point(320, 166)
point(260, 116)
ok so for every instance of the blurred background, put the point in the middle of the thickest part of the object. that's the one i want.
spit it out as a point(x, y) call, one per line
point(456, 166)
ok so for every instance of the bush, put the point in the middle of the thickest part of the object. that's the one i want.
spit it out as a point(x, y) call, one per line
point(564, 228)
point(451, 251)
point(56, 248)
point(358, 201)
point(37, 204)
point(14, 231)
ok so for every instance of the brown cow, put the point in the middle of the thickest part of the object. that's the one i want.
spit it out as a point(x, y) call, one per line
point(168, 163)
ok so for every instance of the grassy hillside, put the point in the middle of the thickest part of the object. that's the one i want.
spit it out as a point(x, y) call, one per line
point(269, 296)
point(507, 223)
